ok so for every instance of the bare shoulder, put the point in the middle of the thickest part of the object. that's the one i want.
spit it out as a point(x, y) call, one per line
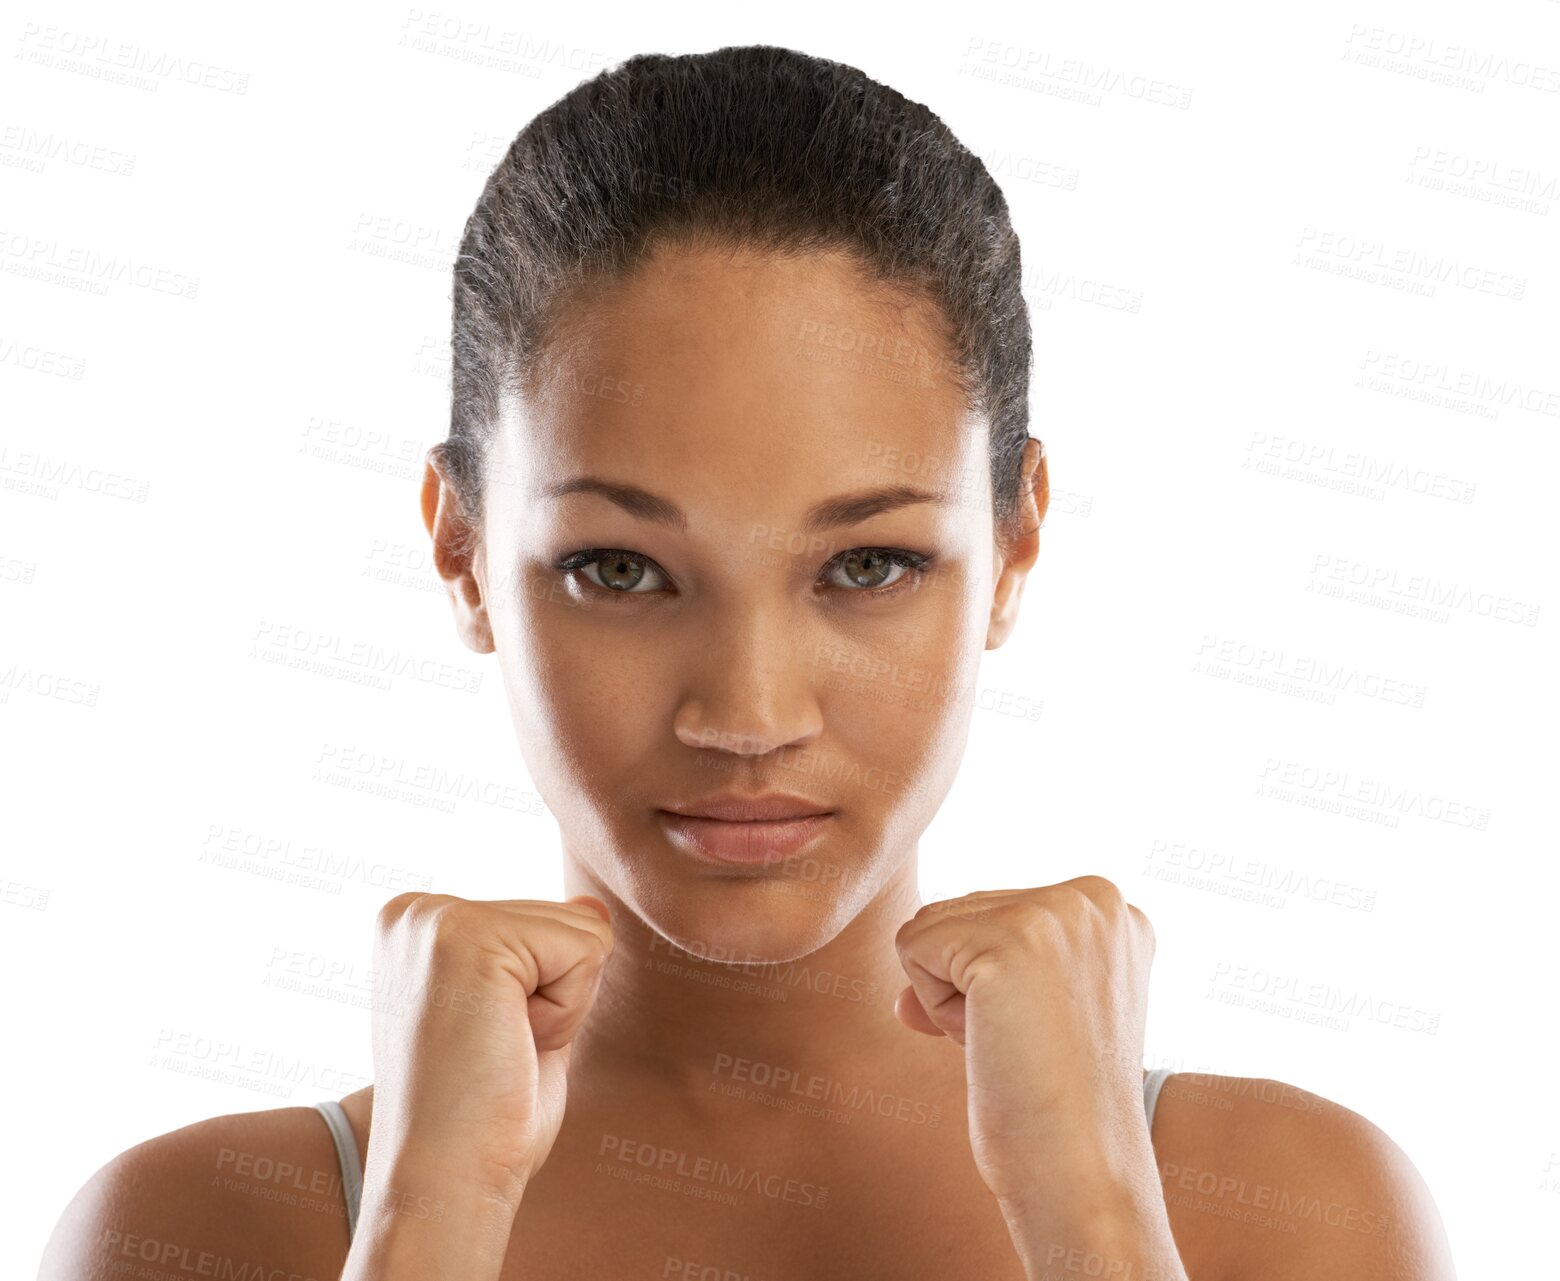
point(1265, 1180)
point(250, 1192)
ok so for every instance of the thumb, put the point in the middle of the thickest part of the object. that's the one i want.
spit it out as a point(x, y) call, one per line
point(591, 901)
point(909, 1010)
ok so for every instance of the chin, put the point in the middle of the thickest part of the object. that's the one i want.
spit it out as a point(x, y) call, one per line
point(740, 921)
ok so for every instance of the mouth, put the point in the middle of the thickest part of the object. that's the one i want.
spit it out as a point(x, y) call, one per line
point(750, 840)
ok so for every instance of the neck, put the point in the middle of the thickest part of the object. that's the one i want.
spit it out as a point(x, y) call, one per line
point(665, 1019)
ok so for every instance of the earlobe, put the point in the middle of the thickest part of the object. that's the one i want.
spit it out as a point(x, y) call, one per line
point(472, 622)
point(456, 554)
point(997, 631)
point(1019, 544)
point(1003, 619)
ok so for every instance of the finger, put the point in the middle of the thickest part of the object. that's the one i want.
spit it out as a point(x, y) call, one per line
point(907, 1009)
point(940, 1001)
point(557, 964)
point(592, 902)
point(558, 1007)
point(576, 914)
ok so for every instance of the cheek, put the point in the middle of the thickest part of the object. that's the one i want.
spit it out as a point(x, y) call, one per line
point(577, 677)
point(917, 667)
point(598, 682)
point(901, 704)
point(901, 700)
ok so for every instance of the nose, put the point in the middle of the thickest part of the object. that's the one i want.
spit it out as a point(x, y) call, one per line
point(750, 688)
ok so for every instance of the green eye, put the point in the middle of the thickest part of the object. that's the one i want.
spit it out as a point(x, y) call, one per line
point(861, 571)
point(616, 571)
point(870, 567)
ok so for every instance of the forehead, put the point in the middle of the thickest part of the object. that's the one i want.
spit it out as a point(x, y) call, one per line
point(709, 372)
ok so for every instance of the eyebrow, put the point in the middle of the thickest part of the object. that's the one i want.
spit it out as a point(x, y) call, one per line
point(843, 509)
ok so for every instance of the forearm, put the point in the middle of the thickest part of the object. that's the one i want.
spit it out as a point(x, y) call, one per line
point(419, 1225)
point(1102, 1224)
point(1126, 1250)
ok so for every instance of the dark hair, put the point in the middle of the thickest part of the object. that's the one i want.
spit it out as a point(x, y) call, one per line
point(746, 145)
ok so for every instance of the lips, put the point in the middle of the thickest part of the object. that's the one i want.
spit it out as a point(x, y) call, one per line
point(766, 807)
point(746, 829)
point(751, 842)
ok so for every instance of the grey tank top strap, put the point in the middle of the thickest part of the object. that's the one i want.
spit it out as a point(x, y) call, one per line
point(347, 1154)
point(352, 1169)
point(1152, 1084)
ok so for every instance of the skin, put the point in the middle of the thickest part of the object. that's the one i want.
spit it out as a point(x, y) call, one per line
point(709, 380)
point(742, 678)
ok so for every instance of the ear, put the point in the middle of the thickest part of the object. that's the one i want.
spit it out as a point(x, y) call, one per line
point(456, 544)
point(1018, 543)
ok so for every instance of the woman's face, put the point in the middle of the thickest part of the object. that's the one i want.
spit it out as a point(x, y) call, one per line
point(753, 606)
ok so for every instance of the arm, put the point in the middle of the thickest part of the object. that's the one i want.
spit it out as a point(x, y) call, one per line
point(246, 1190)
point(1046, 989)
point(1347, 1201)
point(419, 1223)
point(1112, 1222)
point(1268, 1182)
point(1263, 1182)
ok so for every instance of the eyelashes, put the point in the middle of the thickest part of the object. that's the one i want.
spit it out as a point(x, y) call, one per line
point(620, 563)
point(870, 569)
point(863, 562)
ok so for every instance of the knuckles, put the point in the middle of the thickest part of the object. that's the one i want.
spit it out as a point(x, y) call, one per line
point(1102, 894)
point(435, 923)
point(393, 910)
point(1044, 915)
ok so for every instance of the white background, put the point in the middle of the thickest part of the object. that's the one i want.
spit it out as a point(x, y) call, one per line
point(1295, 331)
